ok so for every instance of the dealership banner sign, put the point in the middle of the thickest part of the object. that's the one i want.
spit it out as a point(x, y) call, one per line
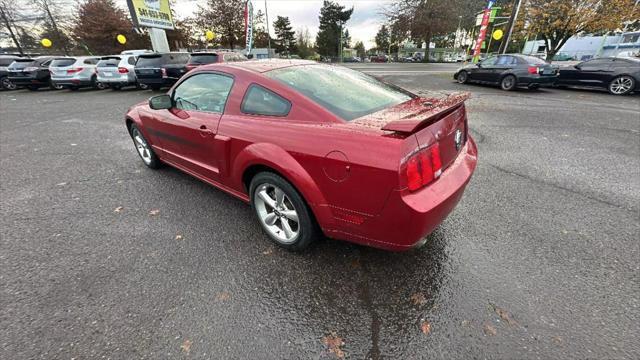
point(484, 24)
point(248, 25)
point(151, 13)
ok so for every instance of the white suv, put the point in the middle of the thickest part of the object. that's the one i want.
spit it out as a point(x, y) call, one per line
point(117, 71)
point(75, 72)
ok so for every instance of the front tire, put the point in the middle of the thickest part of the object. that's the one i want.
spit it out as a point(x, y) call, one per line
point(462, 77)
point(144, 149)
point(508, 83)
point(282, 212)
point(622, 85)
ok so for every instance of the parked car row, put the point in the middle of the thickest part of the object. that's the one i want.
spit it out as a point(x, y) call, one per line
point(144, 70)
point(620, 76)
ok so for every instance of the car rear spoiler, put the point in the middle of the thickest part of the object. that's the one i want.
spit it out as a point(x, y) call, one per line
point(436, 109)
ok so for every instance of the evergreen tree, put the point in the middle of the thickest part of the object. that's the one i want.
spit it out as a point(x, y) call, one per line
point(285, 37)
point(332, 19)
point(383, 38)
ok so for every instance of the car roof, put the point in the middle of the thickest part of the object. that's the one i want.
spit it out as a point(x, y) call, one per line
point(261, 66)
point(159, 54)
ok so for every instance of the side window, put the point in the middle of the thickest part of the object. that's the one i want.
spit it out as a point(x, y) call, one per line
point(505, 60)
point(261, 101)
point(597, 64)
point(489, 61)
point(131, 60)
point(203, 92)
point(91, 61)
point(46, 63)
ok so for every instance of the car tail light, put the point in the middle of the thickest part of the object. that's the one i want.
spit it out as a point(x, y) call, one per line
point(533, 70)
point(123, 70)
point(422, 168)
point(164, 72)
point(74, 70)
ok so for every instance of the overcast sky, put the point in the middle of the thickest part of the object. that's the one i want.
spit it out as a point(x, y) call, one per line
point(362, 26)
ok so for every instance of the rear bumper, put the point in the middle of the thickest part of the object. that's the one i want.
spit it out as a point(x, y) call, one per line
point(157, 81)
point(28, 80)
point(72, 82)
point(547, 80)
point(409, 217)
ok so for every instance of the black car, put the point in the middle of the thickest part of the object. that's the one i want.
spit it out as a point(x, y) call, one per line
point(618, 75)
point(509, 72)
point(161, 69)
point(5, 61)
point(31, 73)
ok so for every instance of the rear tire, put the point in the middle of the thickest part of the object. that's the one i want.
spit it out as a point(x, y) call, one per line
point(6, 84)
point(53, 86)
point(282, 212)
point(462, 77)
point(100, 85)
point(116, 87)
point(33, 87)
point(508, 83)
point(622, 85)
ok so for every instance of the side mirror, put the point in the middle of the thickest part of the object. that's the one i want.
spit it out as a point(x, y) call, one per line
point(160, 102)
point(577, 67)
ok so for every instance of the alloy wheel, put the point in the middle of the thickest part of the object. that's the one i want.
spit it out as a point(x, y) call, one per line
point(142, 146)
point(277, 213)
point(508, 82)
point(621, 85)
point(462, 77)
point(7, 84)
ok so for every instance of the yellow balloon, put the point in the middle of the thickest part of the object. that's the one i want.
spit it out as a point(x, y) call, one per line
point(210, 35)
point(46, 43)
point(497, 35)
point(121, 39)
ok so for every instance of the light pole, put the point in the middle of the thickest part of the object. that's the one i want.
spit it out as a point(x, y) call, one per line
point(512, 23)
point(458, 31)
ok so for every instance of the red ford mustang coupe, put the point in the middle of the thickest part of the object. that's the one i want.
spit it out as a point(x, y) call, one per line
point(314, 148)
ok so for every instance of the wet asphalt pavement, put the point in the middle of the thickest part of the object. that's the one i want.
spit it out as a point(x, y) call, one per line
point(101, 257)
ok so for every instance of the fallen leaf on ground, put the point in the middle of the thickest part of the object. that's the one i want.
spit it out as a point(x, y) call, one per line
point(334, 343)
point(118, 209)
point(223, 296)
point(490, 330)
point(355, 263)
point(418, 299)
point(186, 346)
point(179, 237)
point(425, 327)
point(269, 251)
point(557, 340)
point(154, 212)
point(504, 315)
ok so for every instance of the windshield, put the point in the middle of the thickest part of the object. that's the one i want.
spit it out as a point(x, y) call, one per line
point(346, 93)
point(63, 62)
point(110, 62)
point(203, 58)
point(158, 60)
point(23, 63)
point(533, 60)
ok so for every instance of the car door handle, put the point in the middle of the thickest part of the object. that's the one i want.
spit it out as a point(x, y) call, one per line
point(204, 132)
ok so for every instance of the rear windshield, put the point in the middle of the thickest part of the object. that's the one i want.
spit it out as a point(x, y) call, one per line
point(4, 61)
point(162, 59)
point(346, 93)
point(203, 58)
point(63, 62)
point(110, 62)
point(23, 63)
point(533, 60)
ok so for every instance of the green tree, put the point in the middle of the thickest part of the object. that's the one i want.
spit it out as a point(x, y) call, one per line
point(285, 42)
point(382, 39)
point(360, 50)
point(332, 19)
point(225, 18)
point(97, 25)
point(555, 21)
point(304, 46)
point(346, 39)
